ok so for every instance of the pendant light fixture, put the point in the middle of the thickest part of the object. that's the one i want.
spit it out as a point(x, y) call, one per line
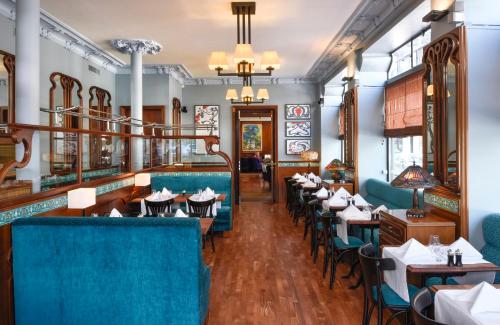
point(244, 58)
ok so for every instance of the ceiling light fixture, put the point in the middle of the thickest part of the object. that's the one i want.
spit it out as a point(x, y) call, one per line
point(244, 58)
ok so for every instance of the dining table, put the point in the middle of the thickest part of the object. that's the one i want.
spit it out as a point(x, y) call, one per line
point(181, 198)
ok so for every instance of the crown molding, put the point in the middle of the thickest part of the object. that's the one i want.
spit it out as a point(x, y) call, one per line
point(177, 71)
point(370, 20)
point(3, 82)
point(53, 29)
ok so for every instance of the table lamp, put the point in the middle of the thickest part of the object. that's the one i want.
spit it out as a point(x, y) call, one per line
point(81, 198)
point(337, 168)
point(308, 156)
point(142, 179)
point(415, 177)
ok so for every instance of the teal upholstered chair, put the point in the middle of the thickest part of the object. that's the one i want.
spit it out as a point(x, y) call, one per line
point(109, 271)
point(191, 182)
point(491, 234)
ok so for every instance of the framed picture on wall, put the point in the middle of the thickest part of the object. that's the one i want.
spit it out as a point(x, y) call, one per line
point(206, 122)
point(297, 111)
point(297, 146)
point(251, 137)
point(298, 129)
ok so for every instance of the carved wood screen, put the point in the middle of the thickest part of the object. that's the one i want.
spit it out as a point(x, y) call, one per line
point(99, 105)
point(176, 121)
point(65, 93)
point(350, 139)
point(445, 125)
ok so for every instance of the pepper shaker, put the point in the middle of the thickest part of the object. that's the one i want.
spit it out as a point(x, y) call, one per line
point(451, 257)
point(458, 258)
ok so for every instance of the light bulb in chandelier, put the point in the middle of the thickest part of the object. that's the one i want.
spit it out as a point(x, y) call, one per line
point(243, 53)
point(247, 92)
point(262, 94)
point(231, 94)
point(270, 59)
point(218, 60)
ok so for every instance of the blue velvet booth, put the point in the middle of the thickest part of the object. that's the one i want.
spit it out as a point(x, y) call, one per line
point(379, 192)
point(109, 271)
point(491, 234)
point(191, 182)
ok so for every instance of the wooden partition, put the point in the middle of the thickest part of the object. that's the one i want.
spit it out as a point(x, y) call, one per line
point(289, 168)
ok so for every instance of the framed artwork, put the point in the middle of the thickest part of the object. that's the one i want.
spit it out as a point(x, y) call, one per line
point(296, 147)
point(251, 137)
point(206, 116)
point(298, 129)
point(297, 111)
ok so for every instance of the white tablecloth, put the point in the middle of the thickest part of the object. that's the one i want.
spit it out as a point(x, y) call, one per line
point(342, 229)
point(396, 279)
point(448, 310)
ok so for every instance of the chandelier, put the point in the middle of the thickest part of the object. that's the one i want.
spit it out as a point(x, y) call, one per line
point(244, 58)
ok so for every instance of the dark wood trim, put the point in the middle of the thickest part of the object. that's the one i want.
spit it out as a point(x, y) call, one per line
point(406, 132)
point(9, 62)
point(237, 134)
point(350, 153)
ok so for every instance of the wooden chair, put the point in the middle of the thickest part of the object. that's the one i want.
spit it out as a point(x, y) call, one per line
point(203, 210)
point(420, 305)
point(153, 208)
point(376, 292)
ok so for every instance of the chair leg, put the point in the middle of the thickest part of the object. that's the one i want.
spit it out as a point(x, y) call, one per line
point(325, 259)
point(212, 239)
point(380, 312)
point(203, 240)
point(333, 270)
point(370, 312)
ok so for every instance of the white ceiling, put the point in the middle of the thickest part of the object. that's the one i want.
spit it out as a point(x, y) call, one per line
point(300, 30)
point(402, 31)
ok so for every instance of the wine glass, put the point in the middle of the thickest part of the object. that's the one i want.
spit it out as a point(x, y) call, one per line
point(94, 214)
point(435, 246)
point(161, 215)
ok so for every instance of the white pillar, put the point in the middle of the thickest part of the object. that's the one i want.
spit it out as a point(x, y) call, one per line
point(136, 48)
point(28, 83)
point(136, 108)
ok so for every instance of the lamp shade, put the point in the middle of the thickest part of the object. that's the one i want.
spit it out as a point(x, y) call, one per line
point(430, 90)
point(231, 94)
point(415, 177)
point(309, 155)
point(262, 94)
point(81, 198)
point(142, 179)
point(270, 59)
point(336, 164)
point(218, 60)
point(246, 92)
point(243, 52)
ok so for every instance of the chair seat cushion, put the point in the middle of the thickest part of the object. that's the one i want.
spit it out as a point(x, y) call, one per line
point(354, 242)
point(391, 298)
point(437, 281)
point(223, 221)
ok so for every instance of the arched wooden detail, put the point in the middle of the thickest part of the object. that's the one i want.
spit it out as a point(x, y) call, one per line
point(100, 106)
point(176, 123)
point(70, 86)
point(210, 141)
point(449, 162)
point(25, 137)
point(350, 138)
point(9, 62)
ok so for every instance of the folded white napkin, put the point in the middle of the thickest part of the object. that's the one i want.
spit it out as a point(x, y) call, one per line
point(311, 175)
point(337, 201)
point(166, 193)
point(302, 179)
point(380, 208)
point(351, 212)
point(296, 176)
point(412, 249)
point(209, 191)
point(317, 180)
point(342, 192)
point(468, 251)
point(322, 193)
point(484, 297)
point(180, 214)
point(155, 197)
point(360, 201)
point(115, 214)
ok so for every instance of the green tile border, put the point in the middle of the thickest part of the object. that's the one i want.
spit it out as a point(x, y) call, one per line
point(57, 202)
point(441, 202)
point(86, 174)
point(153, 174)
point(297, 164)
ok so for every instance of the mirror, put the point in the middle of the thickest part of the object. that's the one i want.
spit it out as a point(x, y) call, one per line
point(99, 146)
point(429, 122)
point(349, 125)
point(451, 177)
point(65, 92)
point(112, 157)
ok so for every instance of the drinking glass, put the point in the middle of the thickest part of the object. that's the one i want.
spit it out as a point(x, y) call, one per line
point(436, 247)
point(161, 215)
point(94, 214)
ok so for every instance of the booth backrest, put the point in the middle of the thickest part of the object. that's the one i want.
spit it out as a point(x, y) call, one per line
point(109, 271)
point(220, 182)
point(379, 192)
point(491, 234)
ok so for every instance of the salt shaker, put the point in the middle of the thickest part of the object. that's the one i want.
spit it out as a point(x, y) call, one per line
point(458, 258)
point(451, 257)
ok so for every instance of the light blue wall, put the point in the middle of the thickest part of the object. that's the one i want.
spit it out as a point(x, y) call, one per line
point(484, 127)
point(331, 146)
point(279, 95)
point(372, 150)
point(174, 90)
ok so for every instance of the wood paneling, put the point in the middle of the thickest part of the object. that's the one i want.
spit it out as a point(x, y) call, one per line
point(6, 283)
point(150, 113)
point(290, 171)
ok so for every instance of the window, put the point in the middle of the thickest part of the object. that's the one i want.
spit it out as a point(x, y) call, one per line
point(409, 55)
point(402, 153)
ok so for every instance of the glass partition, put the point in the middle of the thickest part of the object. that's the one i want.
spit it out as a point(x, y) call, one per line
point(451, 126)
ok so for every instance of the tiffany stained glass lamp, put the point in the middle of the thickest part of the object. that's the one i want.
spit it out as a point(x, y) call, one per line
point(415, 177)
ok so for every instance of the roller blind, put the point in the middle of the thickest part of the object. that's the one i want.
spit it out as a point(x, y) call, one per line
point(403, 107)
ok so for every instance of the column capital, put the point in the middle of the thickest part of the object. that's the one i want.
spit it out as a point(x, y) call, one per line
point(141, 46)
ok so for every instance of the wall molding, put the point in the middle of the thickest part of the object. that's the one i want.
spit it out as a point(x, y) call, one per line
point(370, 20)
point(221, 81)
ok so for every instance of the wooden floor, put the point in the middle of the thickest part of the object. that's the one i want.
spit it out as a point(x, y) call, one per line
point(263, 274)
point(254, 189)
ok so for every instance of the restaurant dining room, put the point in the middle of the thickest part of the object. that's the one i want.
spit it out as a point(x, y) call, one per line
point(258, 162)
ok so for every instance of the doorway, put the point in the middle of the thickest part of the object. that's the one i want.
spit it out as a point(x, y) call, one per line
point(255, 149)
